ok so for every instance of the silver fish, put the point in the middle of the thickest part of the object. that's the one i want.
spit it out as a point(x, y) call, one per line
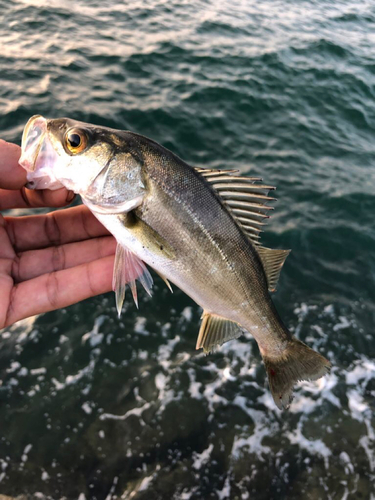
point(197, 228)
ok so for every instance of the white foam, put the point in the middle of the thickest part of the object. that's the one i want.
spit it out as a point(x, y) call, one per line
point(94, 337)
point(344, 323)
point(194, 386)
point(140, 326)
point(329, 309)
point(224, 494)
point(38, 371)
point(134, 411)
point(262, 428)
point(363, 371)
point(164, 355)
point(313, 446)
point(165, 395)
point(200, 459)
point(45, 476)
point(14, 366)
point(112, 490)
point(345, 460)
point(145, 483)
point(356, 405)
point(187, 313)
point(26, 451)
point(86, 408)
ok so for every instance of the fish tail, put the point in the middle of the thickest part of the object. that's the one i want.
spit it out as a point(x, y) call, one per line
point(297, 362)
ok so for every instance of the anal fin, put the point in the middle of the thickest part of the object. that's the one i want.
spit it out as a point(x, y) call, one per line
point(215, 330)
point(127, 268)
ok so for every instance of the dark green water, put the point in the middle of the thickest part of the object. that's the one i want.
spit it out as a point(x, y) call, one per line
point(96, 408)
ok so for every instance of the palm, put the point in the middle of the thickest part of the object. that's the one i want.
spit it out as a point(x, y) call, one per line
point(48, 261)
point(51, 261)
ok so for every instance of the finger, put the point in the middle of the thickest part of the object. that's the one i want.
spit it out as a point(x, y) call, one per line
point(56, 228)
point(28, 198)
point(12, 175)
point(36, 262)
point(59, 289)
point(6, 248)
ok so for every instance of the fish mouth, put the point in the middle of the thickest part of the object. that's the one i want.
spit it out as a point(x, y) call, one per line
point(38, 156)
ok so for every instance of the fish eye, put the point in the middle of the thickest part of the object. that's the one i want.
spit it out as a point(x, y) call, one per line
point(75, 141)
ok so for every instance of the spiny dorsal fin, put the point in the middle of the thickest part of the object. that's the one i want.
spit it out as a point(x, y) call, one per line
point(208, 172)
point(245, 199)
point(273, 261)
point(215, 330)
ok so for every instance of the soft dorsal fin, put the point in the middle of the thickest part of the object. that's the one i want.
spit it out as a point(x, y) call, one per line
point(273, 261)
point(245, 199)
point(215, 330)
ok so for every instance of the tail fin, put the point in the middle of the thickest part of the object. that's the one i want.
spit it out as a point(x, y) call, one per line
point(298, 362)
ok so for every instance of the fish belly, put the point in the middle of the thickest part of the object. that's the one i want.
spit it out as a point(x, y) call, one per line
point(207, 279)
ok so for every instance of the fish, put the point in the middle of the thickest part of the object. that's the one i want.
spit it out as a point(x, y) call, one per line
point(196, 227)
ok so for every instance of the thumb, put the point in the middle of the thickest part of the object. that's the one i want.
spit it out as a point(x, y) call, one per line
point(47, 198)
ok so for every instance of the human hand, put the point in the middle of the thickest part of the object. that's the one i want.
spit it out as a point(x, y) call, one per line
point(47, 261)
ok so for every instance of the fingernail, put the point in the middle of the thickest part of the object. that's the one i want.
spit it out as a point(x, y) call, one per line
point(70, 196)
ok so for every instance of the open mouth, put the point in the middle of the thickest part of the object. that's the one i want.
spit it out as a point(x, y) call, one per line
point(32, 140)
point(38, 155)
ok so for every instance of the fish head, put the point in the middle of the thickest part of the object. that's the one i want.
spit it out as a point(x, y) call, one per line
point(96, 162)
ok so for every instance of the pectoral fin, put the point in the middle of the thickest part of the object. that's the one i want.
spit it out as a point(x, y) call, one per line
point(215, 330)
point(128, 268)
